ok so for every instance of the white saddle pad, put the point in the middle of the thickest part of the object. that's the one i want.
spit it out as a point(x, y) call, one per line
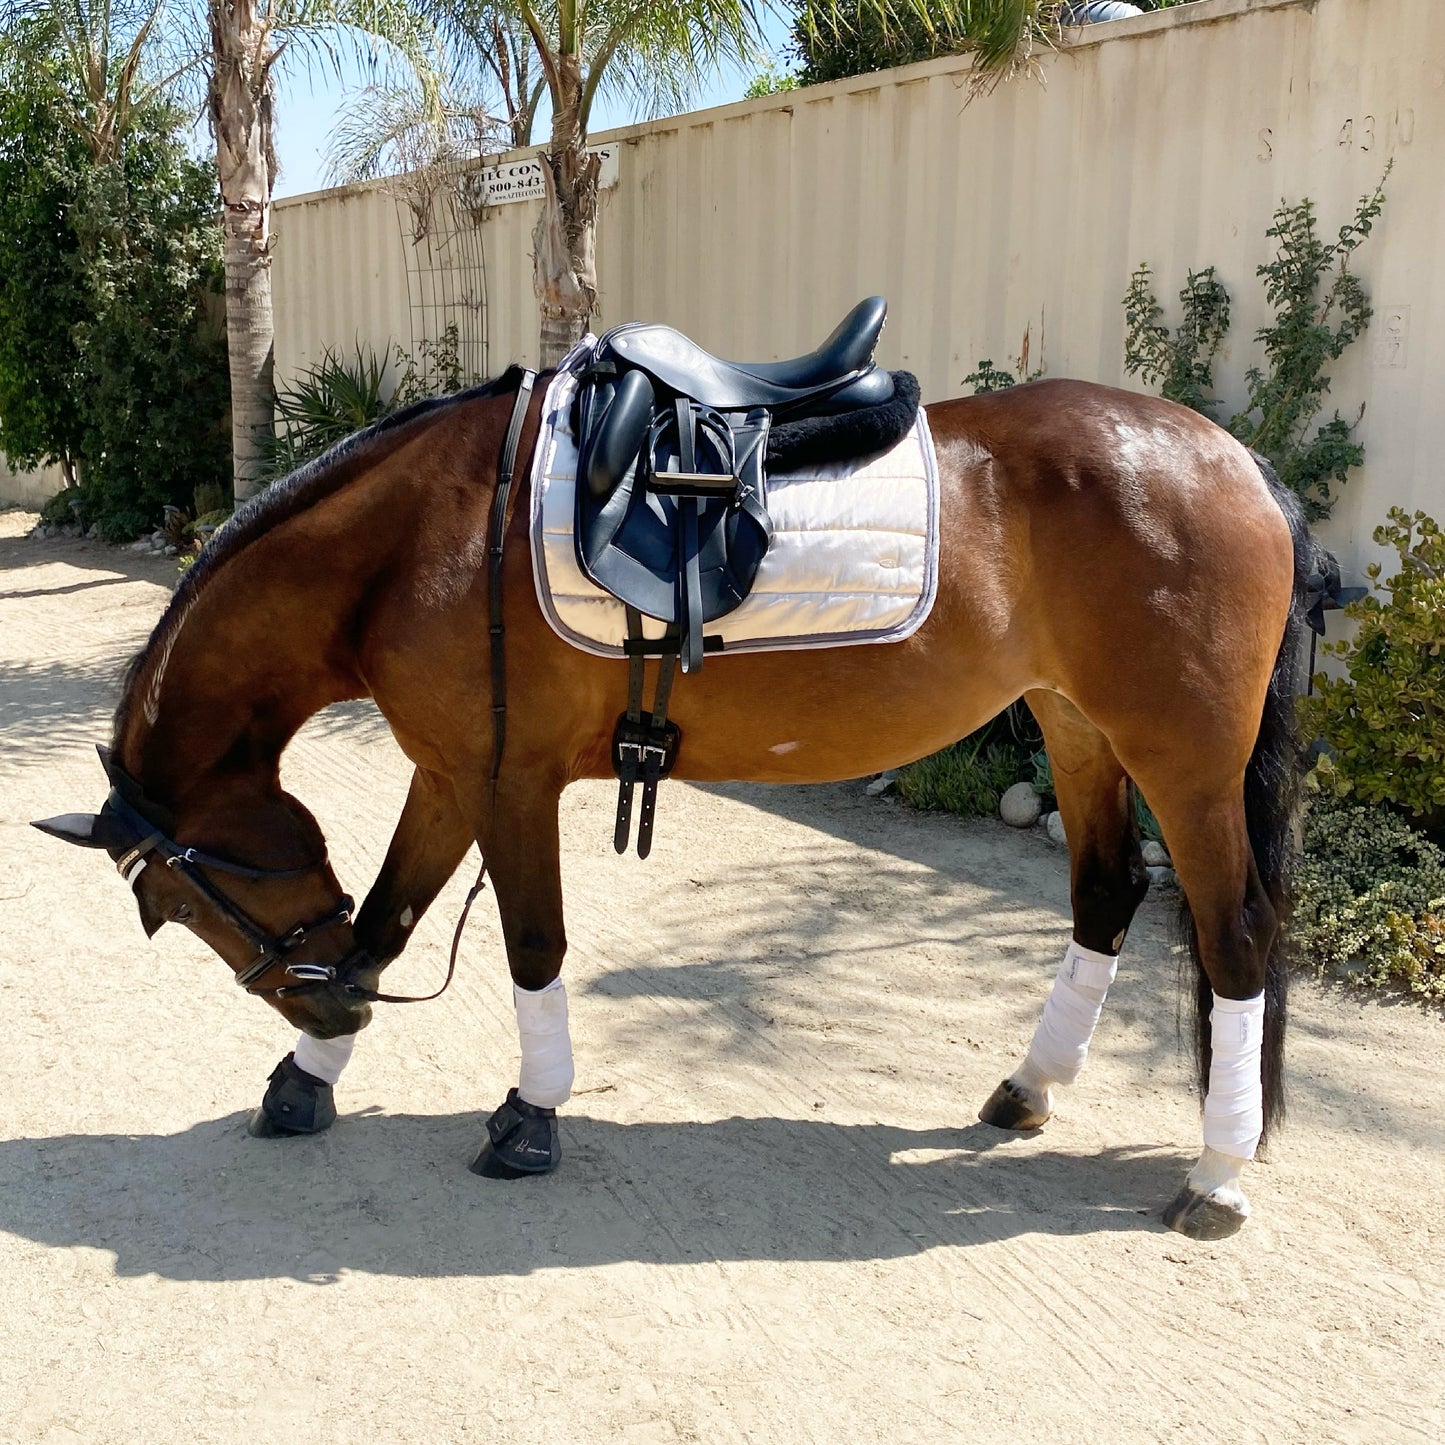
point(854, 556)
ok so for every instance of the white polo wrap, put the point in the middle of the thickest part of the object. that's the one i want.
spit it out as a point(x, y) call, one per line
point(324, 1057)
point(1234, 1105)
point(546, 1076)
point(1061, 1041)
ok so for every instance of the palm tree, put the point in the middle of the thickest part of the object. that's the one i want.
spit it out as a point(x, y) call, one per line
point(246, 38)
point(119, 54)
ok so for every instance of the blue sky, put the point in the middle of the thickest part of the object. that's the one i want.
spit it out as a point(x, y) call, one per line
point(307, 106)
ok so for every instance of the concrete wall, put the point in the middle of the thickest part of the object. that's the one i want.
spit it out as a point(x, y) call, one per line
point(1009, 222)
point(28, 489)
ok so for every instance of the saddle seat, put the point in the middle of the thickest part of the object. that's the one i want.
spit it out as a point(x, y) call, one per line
point(835, 377)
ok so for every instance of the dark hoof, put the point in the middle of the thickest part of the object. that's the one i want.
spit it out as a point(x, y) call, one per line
point(1008, 1108)
point(522, 1139)
point(296, 1103)
point(262, 1126)
point(1197, 1216)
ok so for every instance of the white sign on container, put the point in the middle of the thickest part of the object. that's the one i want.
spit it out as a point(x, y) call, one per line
point(522, 180)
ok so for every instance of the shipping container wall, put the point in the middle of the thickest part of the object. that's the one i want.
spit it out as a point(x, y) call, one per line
point(1002, 227)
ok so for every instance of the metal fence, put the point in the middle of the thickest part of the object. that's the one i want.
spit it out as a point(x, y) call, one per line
point(1004, 228)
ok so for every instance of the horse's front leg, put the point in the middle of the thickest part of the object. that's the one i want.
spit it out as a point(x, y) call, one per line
point(431, 838)
point(523, 860)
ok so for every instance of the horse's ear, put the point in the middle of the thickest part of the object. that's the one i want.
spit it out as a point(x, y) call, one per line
point(107, 760)
point(85, 830)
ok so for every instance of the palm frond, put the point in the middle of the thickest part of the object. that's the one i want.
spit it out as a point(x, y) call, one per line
point(396, 129)
point(1005, 36)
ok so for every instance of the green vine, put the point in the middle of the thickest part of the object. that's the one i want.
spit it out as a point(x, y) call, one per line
point(1320, 307)
point(1182, 363)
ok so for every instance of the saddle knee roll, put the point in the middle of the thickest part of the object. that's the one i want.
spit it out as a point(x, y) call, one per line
point(620, 433)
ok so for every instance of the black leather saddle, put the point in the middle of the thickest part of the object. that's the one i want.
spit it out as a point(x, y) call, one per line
point(672, 515)
point(671, 484)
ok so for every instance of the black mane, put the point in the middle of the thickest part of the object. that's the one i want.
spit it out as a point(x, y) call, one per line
point(282, 500)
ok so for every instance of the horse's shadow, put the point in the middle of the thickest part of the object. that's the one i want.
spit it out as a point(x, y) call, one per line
point(390, 1195)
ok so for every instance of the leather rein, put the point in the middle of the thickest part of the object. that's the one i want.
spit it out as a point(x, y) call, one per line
point(193, 864)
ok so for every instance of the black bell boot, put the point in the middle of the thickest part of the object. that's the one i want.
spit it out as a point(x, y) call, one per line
point(296, 1103)
point(522, 1139)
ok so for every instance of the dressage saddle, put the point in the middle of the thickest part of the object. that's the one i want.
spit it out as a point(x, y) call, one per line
point(674, 447)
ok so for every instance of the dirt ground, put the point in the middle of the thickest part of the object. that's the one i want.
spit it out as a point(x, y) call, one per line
point(776, 1219)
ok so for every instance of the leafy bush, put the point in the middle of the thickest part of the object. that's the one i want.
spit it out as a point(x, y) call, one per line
point(42, 298)
point(57, 509)
point(968, 778)
point(1370, 899)
point(770, 80)
point(1384, 722)
point(110, 275)
point(1320, 307)
point(153, 352)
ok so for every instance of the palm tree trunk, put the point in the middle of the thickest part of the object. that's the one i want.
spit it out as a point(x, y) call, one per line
point(564, 241)
point(240, 106)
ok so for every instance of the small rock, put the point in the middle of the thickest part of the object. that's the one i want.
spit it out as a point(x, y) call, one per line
point(1020, 806)
point(142, 546)
point(1155, 855)
point(1055, 826)
point(1163, 877)
point(172, 551)
point(883, 783)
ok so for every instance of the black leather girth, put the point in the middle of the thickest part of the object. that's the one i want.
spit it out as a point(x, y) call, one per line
point(644, 749)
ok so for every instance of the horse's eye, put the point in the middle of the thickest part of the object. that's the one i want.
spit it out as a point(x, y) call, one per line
point(181, 913)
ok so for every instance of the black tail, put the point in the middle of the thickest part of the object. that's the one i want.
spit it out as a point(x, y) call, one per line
point(1271, 796)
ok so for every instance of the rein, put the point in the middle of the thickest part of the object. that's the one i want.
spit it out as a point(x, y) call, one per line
point(192, 864)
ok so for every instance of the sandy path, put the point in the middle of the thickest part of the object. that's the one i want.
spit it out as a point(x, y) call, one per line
point(775, 1220)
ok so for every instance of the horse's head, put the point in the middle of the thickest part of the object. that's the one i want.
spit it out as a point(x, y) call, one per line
point(246, 871)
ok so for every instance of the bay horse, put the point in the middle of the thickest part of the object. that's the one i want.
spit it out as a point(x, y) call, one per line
point(1120, 562)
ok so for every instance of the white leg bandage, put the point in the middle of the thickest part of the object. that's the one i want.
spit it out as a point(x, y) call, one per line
point(1234, 1105)
point(1061, 1041)
point(324, 1057)
point(546, 1079)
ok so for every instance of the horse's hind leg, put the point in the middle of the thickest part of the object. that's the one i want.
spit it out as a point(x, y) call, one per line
point(1242, 1031)
point(1107, 883)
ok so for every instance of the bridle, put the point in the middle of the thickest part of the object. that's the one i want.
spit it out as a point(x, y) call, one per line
point(153, 843)
point(192, 864)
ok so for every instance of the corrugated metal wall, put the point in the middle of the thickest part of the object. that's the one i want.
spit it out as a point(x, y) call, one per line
point(1170, 138)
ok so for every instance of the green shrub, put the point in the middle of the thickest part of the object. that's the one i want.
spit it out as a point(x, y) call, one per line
point(339, 395)
point(1370, 899)
point(57, 509)
point(1384, 723)
point(112, 356)
point(968, 778)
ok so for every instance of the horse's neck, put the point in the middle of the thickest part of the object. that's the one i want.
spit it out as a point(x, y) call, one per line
point(268, 641)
